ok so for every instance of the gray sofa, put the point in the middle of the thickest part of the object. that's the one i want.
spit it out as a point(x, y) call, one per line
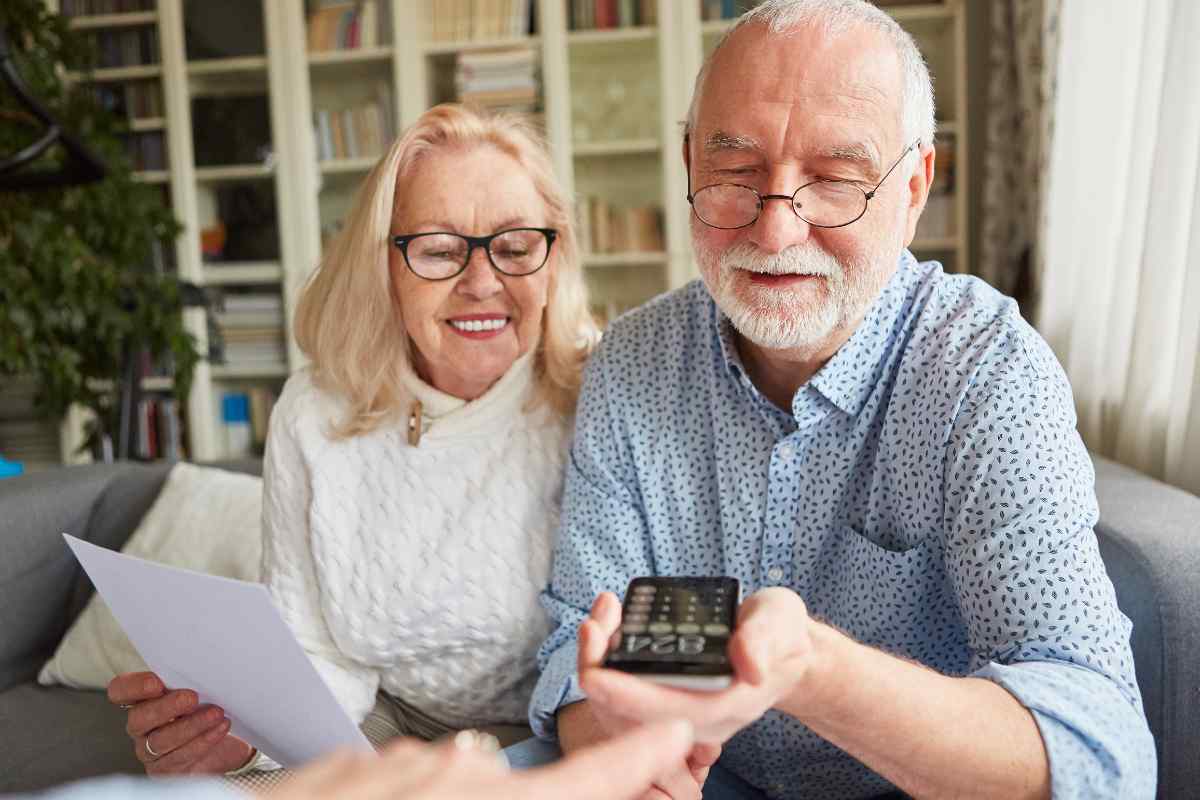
point(1149, 536)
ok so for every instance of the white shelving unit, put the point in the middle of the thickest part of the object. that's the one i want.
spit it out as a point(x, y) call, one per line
point(611, 103)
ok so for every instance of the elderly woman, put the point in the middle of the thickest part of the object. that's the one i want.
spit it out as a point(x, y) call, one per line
point(413, 471)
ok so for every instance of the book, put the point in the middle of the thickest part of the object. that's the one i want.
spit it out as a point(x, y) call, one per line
point(243, 303)
point(368, 28)
point(360, 131)
point(344, 26)
point(262, 402)
point(170, 429)
point(324, 136)
point(648, 12)
point(606, 228)
point(498, 79)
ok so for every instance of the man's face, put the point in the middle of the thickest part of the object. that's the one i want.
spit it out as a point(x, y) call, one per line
point(777, 112)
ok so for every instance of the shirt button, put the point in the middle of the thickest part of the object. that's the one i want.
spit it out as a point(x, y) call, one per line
point(786, 451)
point(775, 573)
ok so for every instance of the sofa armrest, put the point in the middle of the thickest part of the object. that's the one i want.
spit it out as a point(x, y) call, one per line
point(1149, 536)
point(42, 587)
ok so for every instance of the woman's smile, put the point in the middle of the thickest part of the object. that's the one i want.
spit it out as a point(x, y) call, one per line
point(479, 326)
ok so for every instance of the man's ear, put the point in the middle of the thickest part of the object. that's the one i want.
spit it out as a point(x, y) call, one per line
point(918, 190)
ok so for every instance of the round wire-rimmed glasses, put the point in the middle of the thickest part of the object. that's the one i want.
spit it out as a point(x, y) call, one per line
point(442, 255)
point(821, 203)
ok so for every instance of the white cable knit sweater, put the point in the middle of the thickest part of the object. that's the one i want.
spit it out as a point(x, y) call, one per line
point(416, 570)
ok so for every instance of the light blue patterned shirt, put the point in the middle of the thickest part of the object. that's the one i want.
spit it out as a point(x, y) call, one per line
point(927, 495)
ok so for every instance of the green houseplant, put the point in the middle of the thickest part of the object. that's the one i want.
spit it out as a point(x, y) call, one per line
point(76, 289)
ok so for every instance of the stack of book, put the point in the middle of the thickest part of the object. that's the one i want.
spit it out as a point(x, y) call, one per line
point(252, 328)
point(467, 20)
point(355, 132)
point(606, 228)
point(498, 79)
point(87, 8)
point(343, 26)
point(583, 15)
point(259, 401)
point(127, 48)
point(159, 430)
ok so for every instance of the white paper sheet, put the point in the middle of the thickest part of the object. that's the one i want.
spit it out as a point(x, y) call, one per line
point(224, 639)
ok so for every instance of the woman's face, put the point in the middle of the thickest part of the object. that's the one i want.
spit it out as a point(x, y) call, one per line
point(468, 330)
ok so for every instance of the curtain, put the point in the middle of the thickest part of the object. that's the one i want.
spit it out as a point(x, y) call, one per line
point(1022, 45)
point(1120, 290)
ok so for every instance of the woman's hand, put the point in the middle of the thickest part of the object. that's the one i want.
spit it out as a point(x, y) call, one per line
point(172, 733)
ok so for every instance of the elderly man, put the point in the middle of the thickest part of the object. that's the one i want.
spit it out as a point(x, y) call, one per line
point(884, 455)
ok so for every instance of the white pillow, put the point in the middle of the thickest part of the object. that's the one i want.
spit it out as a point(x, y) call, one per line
point(204, 519)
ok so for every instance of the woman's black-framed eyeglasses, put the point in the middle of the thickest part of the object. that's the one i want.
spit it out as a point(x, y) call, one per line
point(820, 203)
point(441, 255)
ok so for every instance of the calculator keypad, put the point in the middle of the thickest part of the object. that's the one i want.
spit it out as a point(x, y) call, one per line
point(664, 610)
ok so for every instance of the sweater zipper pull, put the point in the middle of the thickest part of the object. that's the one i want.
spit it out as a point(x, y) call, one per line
point(415, 424)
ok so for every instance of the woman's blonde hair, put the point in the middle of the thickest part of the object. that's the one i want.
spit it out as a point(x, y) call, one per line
point(348, 320)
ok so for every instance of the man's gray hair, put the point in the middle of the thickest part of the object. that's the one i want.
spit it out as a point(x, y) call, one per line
point(835, 17)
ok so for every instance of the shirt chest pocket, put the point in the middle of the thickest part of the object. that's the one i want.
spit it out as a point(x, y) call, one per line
point(870, 590)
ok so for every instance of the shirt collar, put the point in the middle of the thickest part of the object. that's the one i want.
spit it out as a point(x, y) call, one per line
point(847, 379)
point(727, 342)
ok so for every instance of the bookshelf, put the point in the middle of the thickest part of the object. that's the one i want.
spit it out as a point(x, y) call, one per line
point(329, 83)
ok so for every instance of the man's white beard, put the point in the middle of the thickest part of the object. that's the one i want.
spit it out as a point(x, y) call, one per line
point(789, 317)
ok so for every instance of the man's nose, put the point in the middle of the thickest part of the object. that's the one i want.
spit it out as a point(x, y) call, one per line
point(479, 279)
point(778, 227)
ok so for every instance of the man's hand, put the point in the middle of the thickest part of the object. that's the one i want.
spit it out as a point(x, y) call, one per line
point(771, 651)
point(619, 769)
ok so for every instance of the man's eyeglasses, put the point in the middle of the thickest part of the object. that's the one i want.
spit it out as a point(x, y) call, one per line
point(820, 203)
point(440, 256)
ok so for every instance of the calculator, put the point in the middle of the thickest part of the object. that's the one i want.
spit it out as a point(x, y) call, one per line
point(675, 631)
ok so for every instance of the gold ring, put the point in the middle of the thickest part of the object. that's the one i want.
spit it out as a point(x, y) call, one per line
point(150, 750)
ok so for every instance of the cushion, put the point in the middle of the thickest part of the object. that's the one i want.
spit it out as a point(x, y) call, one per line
point(204, 519)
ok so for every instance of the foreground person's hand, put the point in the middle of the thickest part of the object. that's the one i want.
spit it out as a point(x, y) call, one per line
point(172, 733)
point(685, 780)
point(771, 651)
point(621, 768)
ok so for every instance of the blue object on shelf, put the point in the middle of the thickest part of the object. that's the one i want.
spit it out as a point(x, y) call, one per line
point(235, 408)
point(10, 469)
